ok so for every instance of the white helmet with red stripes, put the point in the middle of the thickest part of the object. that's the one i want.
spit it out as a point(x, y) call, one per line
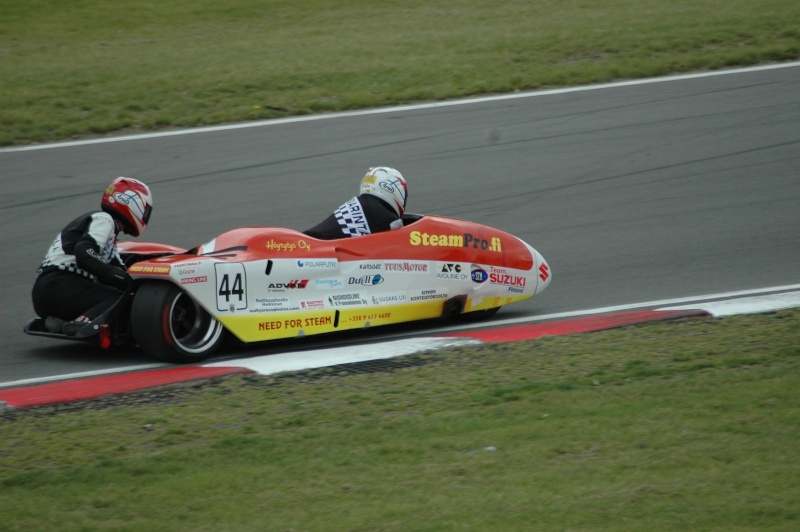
point(130, 202)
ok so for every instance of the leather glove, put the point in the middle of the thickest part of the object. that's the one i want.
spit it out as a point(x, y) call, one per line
point(118, 278)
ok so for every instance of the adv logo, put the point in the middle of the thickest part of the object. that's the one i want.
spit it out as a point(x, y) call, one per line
point(294, 283)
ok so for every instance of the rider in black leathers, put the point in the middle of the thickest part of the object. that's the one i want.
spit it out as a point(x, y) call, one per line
point(378, 207)
point(82, 274)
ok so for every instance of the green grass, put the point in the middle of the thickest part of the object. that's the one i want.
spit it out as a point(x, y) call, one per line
point(88, 67)
point(689, 425)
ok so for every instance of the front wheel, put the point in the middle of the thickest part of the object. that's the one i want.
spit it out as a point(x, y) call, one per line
point(170, 326)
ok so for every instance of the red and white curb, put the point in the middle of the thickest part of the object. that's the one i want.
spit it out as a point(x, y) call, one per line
point(97, 386)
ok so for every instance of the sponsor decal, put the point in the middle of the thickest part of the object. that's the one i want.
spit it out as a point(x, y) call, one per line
point(327, 284)
point(122, 198)
point(501, 276)
point(291, 285)
point(428, 295)
point(544, 272)
point(268, 310)
point(140, 268)
point(389, 299)
point(187, 264)
point(465, 240)
point(370, 317)
point(272, 301)
point(318, 264)
point(298, 323)
point(407, 267)
point(192, 280)
point(451, 271)
point(187, 271)
point(369, 266)
point(275, 245)
point(479, 275)
point(367, 280)
point(346, 300)
point(315, 304)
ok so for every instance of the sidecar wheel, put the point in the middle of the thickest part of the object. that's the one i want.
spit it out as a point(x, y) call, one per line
point(170, 326)
point(477, 315)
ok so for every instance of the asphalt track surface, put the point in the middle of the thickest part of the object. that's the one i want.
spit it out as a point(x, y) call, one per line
point(632, 193)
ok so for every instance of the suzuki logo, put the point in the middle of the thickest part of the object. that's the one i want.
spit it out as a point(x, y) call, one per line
point(544, 272)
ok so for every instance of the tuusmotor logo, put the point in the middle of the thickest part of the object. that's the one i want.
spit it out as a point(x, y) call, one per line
point(466, 240)
point(407, 267)
point(366, 280)
point(294, 283)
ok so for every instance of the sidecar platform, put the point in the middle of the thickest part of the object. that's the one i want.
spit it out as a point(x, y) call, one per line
point(36, 327)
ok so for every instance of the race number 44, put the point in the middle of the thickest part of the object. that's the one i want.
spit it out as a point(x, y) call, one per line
point(231, 286)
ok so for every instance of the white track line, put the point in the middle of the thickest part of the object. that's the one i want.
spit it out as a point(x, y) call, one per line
point(400, 108)
point(326, 357)
point(746, 305)
point(723, 304)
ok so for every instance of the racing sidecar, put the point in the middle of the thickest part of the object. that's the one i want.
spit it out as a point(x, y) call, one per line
point(266, 283)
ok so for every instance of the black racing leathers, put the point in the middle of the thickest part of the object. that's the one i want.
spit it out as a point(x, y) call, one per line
point(362, 215)
point(82, 273)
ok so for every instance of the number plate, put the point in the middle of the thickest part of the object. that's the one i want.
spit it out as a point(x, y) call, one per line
point(231, 286)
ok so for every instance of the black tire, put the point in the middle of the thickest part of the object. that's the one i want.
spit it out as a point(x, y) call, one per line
point(478, 315)
point(169, 325)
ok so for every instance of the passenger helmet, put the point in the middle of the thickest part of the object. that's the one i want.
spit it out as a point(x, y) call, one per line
point(389, 185)
point(130, 202)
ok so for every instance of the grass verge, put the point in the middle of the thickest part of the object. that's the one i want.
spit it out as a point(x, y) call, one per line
point(685, 425)
point(72, 69)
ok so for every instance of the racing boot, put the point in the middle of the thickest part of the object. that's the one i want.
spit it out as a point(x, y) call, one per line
point(53, 324)
point(71, 328)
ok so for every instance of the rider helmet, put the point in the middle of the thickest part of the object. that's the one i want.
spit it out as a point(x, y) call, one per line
point(389, 185)
point(130, 202)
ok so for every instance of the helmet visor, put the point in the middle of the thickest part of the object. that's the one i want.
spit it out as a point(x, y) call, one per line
point(147, 212)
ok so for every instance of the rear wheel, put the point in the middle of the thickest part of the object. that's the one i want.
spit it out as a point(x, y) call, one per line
point(170, 326)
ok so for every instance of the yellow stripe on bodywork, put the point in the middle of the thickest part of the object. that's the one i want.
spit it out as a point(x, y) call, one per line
point(485, 303)
point(276, 325)
point(292, 324)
